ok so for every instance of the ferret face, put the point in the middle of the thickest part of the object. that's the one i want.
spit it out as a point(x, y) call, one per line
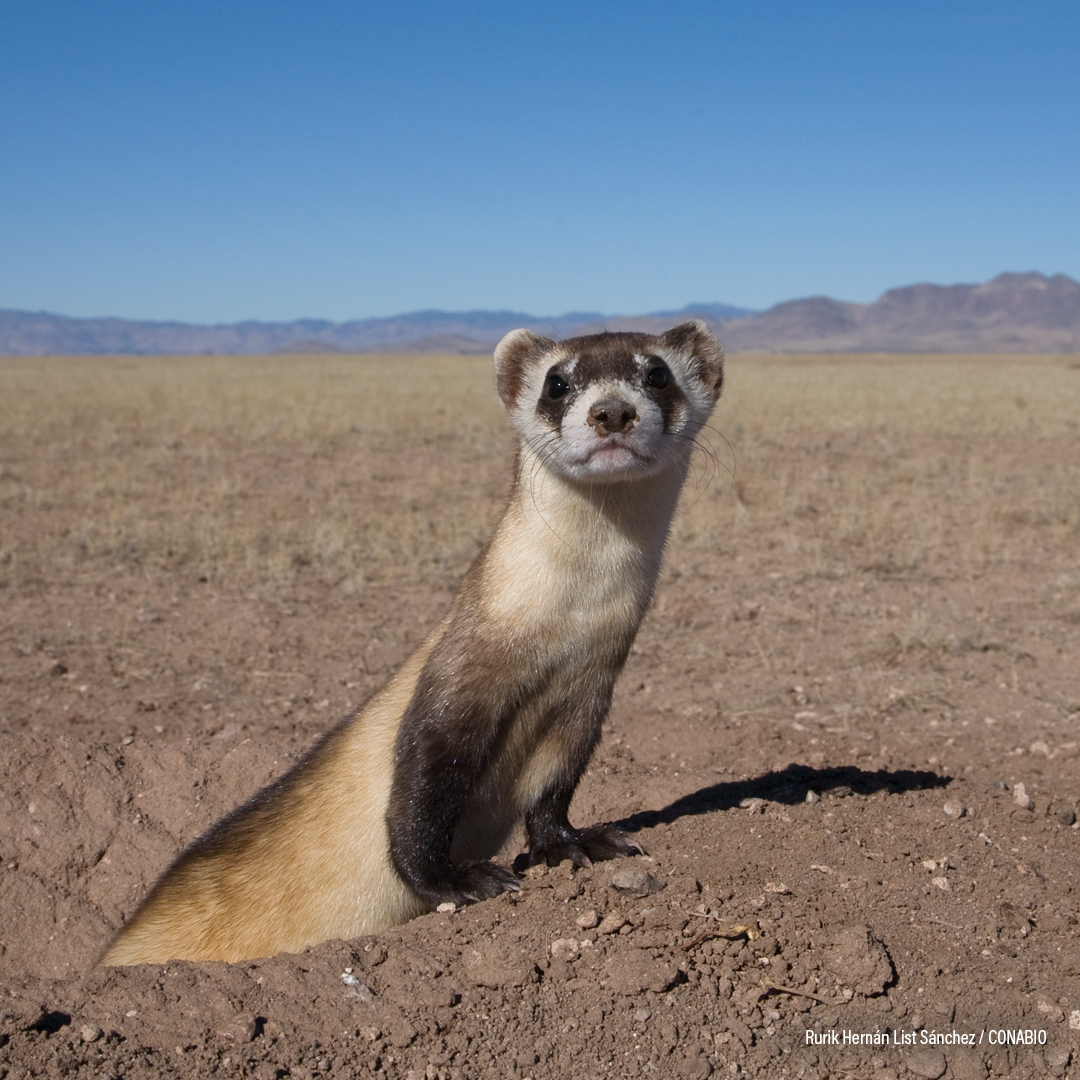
point(611, 406)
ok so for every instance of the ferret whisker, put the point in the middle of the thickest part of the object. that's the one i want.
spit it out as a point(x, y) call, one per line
point(544, 455)
point(727, 441)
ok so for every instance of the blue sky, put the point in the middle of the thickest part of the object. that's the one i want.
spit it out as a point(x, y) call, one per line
point(227, 160)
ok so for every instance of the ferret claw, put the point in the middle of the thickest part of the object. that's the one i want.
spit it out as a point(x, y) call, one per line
point(484, 880)
point(594, 844)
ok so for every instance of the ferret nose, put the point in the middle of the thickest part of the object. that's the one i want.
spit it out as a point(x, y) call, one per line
point(612, 416)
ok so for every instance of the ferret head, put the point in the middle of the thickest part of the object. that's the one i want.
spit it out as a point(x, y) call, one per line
point(610, 406)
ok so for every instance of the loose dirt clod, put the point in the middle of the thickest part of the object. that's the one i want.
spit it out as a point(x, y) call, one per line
point(1054, 1013)
point(635, 882)
point(859, 960)
point(612, 923)
point(633, 971)
point(928, 1062)
point(241, 1028)
point(695, 1066)
point(498, 965)
point(565, 949)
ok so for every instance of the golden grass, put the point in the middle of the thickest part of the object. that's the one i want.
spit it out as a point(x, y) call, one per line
point(248, 468)
point(920, 395)
point(376, 469)
point(886, 462)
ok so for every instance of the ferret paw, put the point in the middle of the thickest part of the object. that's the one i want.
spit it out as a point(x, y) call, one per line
point(582, 848)
point(484, 880)
point(606, 842)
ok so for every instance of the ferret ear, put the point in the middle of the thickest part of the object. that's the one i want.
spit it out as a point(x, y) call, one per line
point(698, 344)
point(513, 356)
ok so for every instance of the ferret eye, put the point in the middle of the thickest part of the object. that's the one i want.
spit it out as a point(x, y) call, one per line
point(658, 377)
point(555, 386)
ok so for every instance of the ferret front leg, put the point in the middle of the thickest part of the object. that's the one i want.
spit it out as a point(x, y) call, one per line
point(443, 747)
point(551, 836)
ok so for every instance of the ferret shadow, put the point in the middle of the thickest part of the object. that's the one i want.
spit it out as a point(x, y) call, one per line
point(790, 786)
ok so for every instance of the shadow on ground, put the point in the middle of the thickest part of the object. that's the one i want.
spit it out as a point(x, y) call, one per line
point(790, 786)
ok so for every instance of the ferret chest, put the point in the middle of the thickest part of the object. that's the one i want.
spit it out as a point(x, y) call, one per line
point(577, 584)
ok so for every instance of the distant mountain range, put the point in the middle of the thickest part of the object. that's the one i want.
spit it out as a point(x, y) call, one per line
point(1011, 313)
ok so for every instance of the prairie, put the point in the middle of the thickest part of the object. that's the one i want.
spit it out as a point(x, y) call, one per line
point(249, 468)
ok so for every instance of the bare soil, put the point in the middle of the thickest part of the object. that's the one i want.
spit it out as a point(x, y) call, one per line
point(848, 737)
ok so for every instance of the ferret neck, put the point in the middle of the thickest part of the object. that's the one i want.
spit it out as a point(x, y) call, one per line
point(638, 510)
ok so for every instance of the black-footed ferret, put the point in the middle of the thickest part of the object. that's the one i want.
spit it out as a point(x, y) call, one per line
point(494, 718)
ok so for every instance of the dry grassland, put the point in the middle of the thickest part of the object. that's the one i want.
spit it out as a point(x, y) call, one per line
point(247, 469)
point(380, 469)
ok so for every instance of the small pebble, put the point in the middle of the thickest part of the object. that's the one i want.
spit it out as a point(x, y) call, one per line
point(955, 808)
point(926, 1062)
point(1051, 1011)
point(564, 949)
point(613, 922)
point(1074, 1020)
point(695, 1066)
point(756, 806)
point(242, 1028)
point(447, 908)
point(812, 796)
point(1022, 798)
point(635, 882)
point(90, 1033)
point(587, 920)
point(942, 883)
point(642, 1015)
